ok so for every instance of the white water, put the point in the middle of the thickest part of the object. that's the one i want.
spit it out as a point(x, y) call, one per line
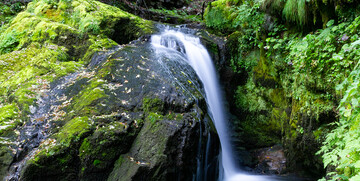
point(200, 60)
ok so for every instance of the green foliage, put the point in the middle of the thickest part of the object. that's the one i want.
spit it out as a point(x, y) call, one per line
point(292, 77)
point(249, 97)
point(9, 42)
point(219, 15)
point(294, 11)
point(341, 148)
point(309, 14)
point(8, 11)
point(325, 58)
point(247, 21)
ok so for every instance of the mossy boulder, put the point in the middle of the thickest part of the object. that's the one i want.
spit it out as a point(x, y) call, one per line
point(69, 23)
point(122, 106)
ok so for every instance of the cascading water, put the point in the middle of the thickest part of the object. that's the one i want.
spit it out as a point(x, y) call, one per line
point(200, 60)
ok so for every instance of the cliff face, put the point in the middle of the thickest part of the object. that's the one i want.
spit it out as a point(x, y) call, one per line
point(80, 103)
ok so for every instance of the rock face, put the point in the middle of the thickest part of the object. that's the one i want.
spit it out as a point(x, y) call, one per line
point(76, 105)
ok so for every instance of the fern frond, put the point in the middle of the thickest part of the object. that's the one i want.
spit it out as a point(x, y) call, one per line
point(301, 9)
point(290, 10)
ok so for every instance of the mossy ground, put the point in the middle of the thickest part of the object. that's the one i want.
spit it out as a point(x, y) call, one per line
point(46, 42)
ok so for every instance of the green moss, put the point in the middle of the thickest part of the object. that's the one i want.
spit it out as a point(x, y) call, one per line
point(97, 162)
point(119, 161)
point(5, 159)
point(46, 37)
point(98, 43)
point(28, 71)
point(47, 41)
point(57, 21)
point(73, 130)
point(8, 112)
point(84, 102)
point(277, 96)
point(8, 12)
point(9, 119)
point(85, 148)
point(153, 105)
point(65, 160)
point(102, 138)
point(154, 117)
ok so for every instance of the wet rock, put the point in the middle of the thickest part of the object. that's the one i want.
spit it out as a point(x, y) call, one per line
point(162, 151)
point(129, 116)
point(270, 160)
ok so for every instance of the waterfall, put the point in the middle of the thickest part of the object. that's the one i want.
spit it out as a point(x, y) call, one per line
point(200, 60)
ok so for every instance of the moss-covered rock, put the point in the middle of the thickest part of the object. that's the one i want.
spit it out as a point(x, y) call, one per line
point(43, 49)
point(155, 152)
point(99, 151)
point(6, 157)
point(124, 103)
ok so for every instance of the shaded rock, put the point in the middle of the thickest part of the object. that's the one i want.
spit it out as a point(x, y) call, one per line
point(270, 160)
point(162, 151)
point(6, 157)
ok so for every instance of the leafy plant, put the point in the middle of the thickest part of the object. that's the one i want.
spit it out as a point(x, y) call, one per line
point(341, 149)
point(248, 22)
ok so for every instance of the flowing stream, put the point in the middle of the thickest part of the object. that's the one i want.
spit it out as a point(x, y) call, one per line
point(199, 58)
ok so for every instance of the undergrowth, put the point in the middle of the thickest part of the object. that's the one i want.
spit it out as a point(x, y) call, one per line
point(303, 85)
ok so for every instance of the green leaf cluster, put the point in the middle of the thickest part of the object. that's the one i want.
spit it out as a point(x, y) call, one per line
point(243, 21)
point(341, 149)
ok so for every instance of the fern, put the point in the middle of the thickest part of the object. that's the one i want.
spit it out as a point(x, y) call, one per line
point(8, 42)
point(301, 10)
point(290, 10)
